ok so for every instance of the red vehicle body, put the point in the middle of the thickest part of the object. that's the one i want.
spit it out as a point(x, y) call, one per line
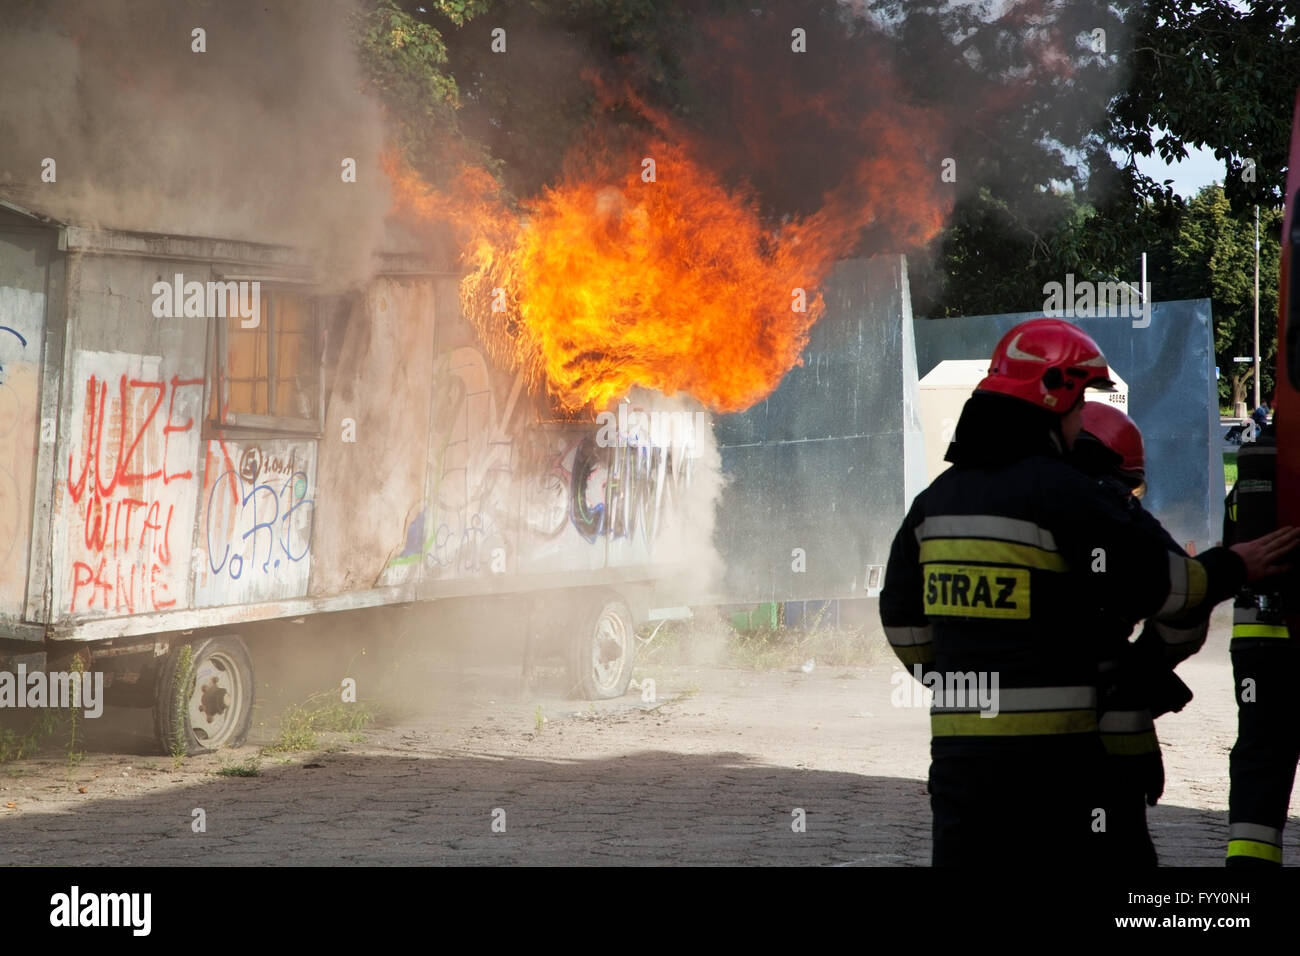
point(1287, 377)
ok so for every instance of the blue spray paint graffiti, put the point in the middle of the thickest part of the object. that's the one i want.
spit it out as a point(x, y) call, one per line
point(16, 334)
point(284, 515)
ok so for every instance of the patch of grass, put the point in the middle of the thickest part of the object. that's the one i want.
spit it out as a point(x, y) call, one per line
point(321, 713)
point(17, 744)
point(1229, 468)
point(716, 642)
point(248, 768)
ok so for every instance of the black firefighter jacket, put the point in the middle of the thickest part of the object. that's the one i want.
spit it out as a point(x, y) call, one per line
point(1002, 571)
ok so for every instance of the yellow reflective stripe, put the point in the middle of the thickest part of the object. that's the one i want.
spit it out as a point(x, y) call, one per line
point(1260, 630)
point(1252, 848)
point(1198, 582)
point(1187, 585)
point(1130, 745)
point(995, 527)
point(985, 551)
point(1014, 724)
point(915, 653)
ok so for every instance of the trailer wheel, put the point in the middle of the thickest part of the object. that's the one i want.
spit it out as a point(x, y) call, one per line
point(603, 649)
point(207, 705)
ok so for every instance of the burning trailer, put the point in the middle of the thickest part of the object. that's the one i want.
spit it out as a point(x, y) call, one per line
point(194, 438)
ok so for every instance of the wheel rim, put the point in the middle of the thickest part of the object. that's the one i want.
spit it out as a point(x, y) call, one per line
point(216, 700)
point(609, 651)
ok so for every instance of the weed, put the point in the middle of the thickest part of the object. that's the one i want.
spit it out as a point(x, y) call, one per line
point(74, 756)
point(715, 642)
point(320, 713)
point(539, 720)
point(181, 689)
point(15, 745)
point(248, 768)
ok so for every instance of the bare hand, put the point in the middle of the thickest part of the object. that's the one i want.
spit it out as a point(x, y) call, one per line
point(1263, 554)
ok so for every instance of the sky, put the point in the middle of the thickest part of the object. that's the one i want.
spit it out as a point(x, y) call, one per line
point(1200, 168)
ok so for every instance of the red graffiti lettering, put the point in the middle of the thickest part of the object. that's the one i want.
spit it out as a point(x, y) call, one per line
point(140, 455)
point(154, 585)
point(171, 427)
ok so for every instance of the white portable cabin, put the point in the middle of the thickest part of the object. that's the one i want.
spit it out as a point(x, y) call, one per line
point(163, 473)
point(944, 391)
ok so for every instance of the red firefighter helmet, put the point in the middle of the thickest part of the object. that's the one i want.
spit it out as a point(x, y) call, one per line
point(1119, 433)
point(1048, 363)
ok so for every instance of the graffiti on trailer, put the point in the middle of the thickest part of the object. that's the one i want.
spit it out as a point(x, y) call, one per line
point(10, 506)
point(498, 482)
point(472, 471)
point(124, 485)
point(265, 500)
point(624, 492)
point(19, 336)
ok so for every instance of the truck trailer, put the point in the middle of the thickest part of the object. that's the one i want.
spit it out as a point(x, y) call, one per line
point(195, 436)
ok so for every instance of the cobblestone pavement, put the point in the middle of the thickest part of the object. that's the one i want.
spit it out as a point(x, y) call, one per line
point(712, 774)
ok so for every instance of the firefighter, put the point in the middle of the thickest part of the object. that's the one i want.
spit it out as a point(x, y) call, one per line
point(1136, 680)
point(1265, 671)
point(992, 582)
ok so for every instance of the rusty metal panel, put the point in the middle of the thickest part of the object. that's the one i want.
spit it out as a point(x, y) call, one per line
point(25, 259)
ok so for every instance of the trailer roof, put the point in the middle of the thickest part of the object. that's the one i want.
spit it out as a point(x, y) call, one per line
point(399, 252)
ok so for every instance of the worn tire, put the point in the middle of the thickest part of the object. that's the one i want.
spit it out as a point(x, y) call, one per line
point(602, 650)
point(210, 707)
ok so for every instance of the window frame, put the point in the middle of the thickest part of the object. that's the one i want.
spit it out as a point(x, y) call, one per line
point(216, 371)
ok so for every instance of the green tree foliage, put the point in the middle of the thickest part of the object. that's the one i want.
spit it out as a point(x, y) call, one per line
point(1217, 74)
point(1213, 256)
point(1045, 125)
point(1220, 74)
point(406, 62)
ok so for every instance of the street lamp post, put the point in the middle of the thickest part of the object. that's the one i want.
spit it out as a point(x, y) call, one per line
point(1256, 405)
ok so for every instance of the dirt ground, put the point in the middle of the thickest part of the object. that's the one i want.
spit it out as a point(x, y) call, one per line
point(713, 772)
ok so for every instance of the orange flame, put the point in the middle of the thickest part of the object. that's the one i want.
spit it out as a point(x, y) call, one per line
point(671, 282)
